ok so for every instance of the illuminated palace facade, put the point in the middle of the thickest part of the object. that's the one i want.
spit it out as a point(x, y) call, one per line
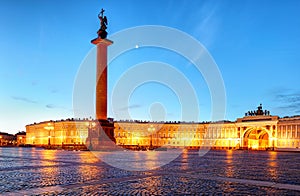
point(256, 130)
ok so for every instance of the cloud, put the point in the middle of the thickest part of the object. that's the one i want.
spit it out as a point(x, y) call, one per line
point(34, 83)
point(170, 114)
point(209, 25)
point(134, 106)
point(18, 98)
point(288, 101)
point(288, 98)
point(53, 106)
point(279, 90)
point(292, 106)
point(54, 91)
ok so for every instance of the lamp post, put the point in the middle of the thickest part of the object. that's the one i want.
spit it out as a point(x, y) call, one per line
point(91, 124)
point(32, 138)
point(151, 129)
point(20, 140)
point(273, 143)
point(229, 142)
point(49, 128)
point(237, 142)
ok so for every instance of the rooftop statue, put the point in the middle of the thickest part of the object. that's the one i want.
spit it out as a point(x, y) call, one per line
point(103, 22)
point(258, 112)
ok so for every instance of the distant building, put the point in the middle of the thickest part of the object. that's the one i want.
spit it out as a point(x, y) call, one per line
point(7, 139)
point(20, 138)
point(256, 130)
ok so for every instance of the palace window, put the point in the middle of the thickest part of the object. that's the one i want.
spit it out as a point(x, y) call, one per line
point(293, 133)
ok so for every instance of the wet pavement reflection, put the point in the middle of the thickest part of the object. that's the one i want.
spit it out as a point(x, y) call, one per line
point(33, 171)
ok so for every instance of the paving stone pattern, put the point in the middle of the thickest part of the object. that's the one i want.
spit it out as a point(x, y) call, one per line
point(32, 171)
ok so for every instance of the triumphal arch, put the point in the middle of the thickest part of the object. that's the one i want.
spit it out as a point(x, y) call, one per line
point(257, 129)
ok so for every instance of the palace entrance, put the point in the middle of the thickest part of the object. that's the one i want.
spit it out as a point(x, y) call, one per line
point(256, 139)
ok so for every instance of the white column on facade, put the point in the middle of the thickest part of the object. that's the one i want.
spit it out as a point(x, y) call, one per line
point(280, 128)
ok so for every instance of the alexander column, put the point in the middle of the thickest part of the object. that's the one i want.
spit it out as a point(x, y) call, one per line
point(101, 75)
point(99, 140)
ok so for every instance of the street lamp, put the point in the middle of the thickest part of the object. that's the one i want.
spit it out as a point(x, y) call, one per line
point(49, 128)
point(32, 138)
point(238, 142)
point(90, 126)
point(151, 129)
point(49, 140)
point(273, 143)
point(20, 140)
point(229, 142)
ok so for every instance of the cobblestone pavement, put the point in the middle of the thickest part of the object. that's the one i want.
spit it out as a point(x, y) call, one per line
point(30, 171)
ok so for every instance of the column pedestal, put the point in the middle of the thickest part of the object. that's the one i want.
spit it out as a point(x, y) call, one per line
point(101, 137)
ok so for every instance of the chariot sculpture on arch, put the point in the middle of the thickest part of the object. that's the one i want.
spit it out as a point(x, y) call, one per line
point(103, 25)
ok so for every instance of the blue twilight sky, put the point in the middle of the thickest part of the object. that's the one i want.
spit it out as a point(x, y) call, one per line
point(255, 44)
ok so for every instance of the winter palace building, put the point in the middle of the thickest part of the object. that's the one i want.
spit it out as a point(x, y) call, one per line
point(256, 130)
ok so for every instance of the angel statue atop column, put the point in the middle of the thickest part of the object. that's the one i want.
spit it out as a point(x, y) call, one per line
point(103, 22)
